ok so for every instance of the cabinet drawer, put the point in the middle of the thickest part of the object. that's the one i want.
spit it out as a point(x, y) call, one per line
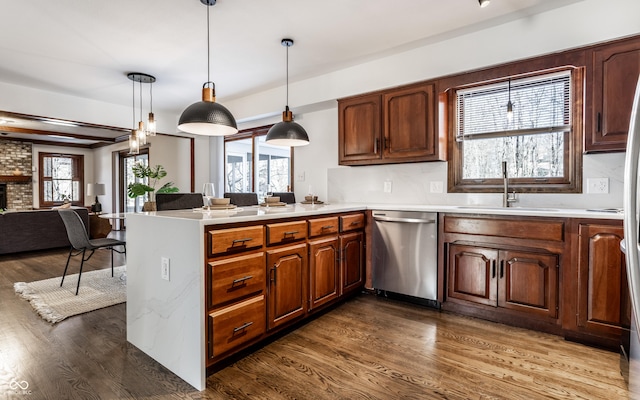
point(351, 222)
point(236, 325)
point(235, 239)
point(234, 278)
point(323, 226)
point(286, 232)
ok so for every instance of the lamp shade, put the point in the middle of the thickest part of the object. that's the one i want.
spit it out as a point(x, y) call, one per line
point(287, 133)
point(207, 118)
point(95, 189)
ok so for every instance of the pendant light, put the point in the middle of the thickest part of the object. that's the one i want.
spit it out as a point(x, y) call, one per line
point(287, 132)
point(207, 117)
point(509, 105)
point(151, 122)
point(138, 135)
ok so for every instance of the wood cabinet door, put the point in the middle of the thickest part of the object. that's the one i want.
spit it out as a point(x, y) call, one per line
point(614, 77)
point(287, 274)
point(528, 282)
point(409, 124)
point(604, 305)
point(352, 261)
point(324, 280)
point(473, 274)
point(359, 129)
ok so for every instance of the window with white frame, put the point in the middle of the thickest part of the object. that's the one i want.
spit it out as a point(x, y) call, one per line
point(252, 165)
point(527, 122)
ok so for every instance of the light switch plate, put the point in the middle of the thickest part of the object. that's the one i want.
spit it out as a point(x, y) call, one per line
point(300, 176)
point(436, 187)
point(164, 268)
point(598, 185)
point(387, 186)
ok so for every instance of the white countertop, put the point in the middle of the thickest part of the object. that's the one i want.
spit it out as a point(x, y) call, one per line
point(253, 213)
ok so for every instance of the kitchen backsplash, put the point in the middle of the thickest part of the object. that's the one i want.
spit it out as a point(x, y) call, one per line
point(418, 183)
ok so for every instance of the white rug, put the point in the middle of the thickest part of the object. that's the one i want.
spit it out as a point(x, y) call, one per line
point(97, 290)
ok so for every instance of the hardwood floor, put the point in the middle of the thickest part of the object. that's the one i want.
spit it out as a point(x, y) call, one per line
point(367, 348)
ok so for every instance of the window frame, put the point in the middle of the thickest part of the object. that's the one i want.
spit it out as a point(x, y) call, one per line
point(78, 162)
point(571, 182)
point(253, 134)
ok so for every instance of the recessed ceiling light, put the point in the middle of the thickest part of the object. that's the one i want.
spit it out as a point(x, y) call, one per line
point(484, 3)
point(5, 121)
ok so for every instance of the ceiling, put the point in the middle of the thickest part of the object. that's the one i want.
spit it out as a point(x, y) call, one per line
point(86, 48)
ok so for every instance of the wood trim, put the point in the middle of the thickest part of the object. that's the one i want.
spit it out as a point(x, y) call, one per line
point(15, 178)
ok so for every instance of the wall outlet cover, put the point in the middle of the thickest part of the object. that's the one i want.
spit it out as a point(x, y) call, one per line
point(598, 185)
point(387, 186)
point(436, 187)
point(164, 268)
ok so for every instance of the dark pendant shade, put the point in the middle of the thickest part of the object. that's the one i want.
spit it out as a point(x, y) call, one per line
point(207, 118)
point(287, 133)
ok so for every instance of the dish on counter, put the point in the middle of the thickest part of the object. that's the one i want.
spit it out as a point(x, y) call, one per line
point(273, 204)
point(216, 207)
point(312, 202)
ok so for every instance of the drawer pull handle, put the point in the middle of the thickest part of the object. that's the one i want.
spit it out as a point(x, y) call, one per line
point(242, 241)
point(242, 327)
point(241, 280)
point(290, 233)
point(327, 227)
point(354, 223)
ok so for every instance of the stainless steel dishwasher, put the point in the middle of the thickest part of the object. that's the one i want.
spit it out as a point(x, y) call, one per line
point(404, 254)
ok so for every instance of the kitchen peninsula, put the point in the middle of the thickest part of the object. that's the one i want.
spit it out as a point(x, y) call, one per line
point(193, 273)
point(174, 302)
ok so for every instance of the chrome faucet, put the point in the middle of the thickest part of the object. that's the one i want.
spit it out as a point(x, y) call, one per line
point(507, 198)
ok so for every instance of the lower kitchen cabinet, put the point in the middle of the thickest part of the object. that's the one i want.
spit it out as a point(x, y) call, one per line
point(324, 271)
point(261, 278)
point(603, 301)
point(287, 288)
point(503, 269)
point(518, 280)
point(352, 261)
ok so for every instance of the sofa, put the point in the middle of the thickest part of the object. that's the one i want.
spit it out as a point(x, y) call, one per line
point(35, 230)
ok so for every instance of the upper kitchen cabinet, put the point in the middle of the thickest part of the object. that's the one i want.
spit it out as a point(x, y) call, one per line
point(612, 72)
point(392, 126)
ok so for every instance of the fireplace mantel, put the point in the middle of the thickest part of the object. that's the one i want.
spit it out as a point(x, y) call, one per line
point(15, 178)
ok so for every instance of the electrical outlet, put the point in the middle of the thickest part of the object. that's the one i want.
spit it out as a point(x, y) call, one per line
point(300, 176)
point(436, 187)
point(164, 268)
point(387, 186)
point(598, 185)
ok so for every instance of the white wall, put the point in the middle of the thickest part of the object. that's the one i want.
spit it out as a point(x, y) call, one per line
point(313, 102)
point(578, 24)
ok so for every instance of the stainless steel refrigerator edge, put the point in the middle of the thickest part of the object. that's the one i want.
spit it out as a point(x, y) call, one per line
point(630, 244)
point(404, 253)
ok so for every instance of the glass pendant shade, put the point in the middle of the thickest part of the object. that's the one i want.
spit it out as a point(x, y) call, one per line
point(207, 117)
point(287, 132)
point(151, 125)
point(134, 144)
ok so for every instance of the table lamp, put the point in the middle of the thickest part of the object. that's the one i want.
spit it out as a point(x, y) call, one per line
point(95, 189)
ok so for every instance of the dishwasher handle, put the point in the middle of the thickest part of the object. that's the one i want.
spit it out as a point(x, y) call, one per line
point(404, 220)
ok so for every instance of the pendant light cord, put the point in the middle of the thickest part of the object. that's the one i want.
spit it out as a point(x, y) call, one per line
point(151, 96)
point(141, 100)
point(133, 102)
point(287, 105)
point(208, 48)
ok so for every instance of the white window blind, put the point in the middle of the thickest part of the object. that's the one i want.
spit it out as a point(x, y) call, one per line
point(541, 104)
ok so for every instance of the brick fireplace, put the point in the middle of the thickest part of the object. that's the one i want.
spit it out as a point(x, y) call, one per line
point(18, 190)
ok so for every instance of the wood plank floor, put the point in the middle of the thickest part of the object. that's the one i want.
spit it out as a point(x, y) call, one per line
point(367, 348)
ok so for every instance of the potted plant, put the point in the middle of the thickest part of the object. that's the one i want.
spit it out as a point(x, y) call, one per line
point(152, 175)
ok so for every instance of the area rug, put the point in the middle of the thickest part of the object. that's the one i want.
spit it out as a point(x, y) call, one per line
point(54, 303)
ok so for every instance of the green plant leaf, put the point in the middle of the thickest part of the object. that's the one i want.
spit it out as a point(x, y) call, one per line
point(168, 188)
point(138, 189)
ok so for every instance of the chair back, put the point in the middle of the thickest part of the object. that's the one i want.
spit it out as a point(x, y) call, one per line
point(178, 201)
point(242, 199)
point(286, 197)
point(76, 231)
